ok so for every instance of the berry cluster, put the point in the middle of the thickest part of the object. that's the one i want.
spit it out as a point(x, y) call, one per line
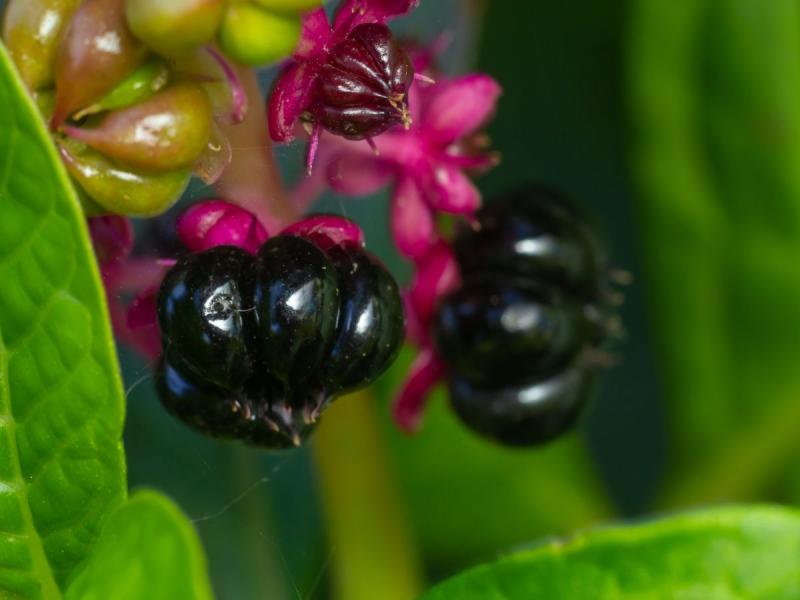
point(256, 346)
point(521, 334)
point(136, 91)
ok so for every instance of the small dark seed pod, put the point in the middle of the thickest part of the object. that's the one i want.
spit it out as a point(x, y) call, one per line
point(523, 415)
point(362, 90)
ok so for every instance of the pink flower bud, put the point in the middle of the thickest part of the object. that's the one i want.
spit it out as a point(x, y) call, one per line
point(219, 223)
point(327, 231)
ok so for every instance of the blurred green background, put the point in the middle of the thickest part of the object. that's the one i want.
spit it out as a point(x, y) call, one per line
point(677, 125)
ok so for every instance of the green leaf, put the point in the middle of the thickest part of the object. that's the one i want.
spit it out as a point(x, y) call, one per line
point(719, 554)
point(62, 467)
point(146, 551)
point(715, 98)
point(510, 495)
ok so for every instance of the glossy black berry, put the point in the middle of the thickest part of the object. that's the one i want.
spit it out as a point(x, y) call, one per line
point(523, 414)
point(362, 90)
point(535, 232)
point(255, 347)
point(520, 335)
point(296, 299)
point(370, 327)
point(509, 330)
point(206, 314)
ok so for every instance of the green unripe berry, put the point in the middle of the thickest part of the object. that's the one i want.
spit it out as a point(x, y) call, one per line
point(122, 191)
point(288, 6)
point(32, 30)
point(174, 27)
point(165, 132)
point(251, 35)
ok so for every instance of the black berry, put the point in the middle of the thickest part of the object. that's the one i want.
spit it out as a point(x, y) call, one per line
point(520, 334)
point(255, 347)
point(524, 414)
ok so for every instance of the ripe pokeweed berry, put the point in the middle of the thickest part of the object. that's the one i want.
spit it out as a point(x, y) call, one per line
point(205, 314)
point(498, 329)
point(362, 90)
point(521, 335)
point(256, 346)
point(524, 414)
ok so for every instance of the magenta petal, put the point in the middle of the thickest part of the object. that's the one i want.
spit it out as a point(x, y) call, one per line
point(459, 107)
point(412, 222)
point(289, 98)
point(425, 373)
point(437, 275)
point(218, 223)
point(352, 13)
point(327, 231)
point(354, 174)
point(143, 311)
point(112, 237)
point(315, 34)
point(449, 190)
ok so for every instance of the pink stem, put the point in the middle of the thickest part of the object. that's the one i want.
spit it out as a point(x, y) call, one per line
point(252, 180)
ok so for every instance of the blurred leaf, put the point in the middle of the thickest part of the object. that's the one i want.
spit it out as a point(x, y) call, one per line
point(720, 554)
point(147, 550)
point(469, 497)
point(61, 403)
point(715, 98)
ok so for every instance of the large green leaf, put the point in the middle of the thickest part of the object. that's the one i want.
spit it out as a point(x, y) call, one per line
point(146, 551)
point(721, 554)
point(715, 98)
point(61, 401)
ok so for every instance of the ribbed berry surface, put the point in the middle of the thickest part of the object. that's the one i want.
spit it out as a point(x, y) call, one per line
point(255, 347)
point(362, 90)
point(515, 335)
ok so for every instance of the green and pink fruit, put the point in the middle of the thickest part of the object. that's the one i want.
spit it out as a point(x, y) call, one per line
point(96, 53)
point(252, 35)
point(32, 31)
point(166, 132)
point(174, 27)
point(118, 190)
point(150, 78)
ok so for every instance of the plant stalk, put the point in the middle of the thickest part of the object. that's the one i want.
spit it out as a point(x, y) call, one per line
point(372, 551)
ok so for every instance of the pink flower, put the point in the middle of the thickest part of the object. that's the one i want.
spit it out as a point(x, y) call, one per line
point(128, 283)
point(428, 165)
point(427, 162)
point(293, 91)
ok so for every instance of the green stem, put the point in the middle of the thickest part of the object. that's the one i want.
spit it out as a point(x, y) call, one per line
point(373, 552)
